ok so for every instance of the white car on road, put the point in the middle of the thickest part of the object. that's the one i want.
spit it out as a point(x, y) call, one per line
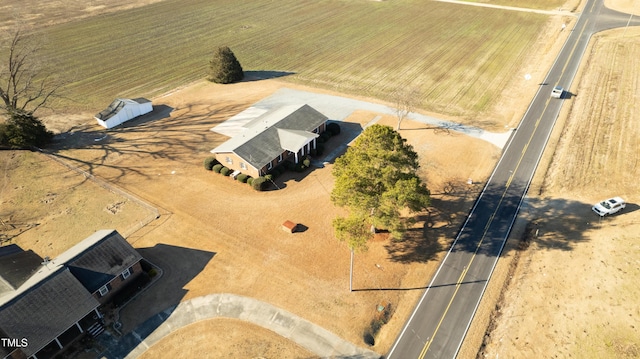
point(609, 206)
point(557, 92)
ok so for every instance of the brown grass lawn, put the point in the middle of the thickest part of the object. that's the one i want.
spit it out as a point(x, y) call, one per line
point(50, 207)
point(626, 6)
point(587, 309)
point(306, 273)
point(160, 161)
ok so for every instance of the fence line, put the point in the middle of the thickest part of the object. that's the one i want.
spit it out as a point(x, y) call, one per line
point(155, 213)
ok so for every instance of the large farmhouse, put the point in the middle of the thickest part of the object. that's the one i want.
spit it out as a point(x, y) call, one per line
point(45, 305)
point(122, 110)
point(279, 134)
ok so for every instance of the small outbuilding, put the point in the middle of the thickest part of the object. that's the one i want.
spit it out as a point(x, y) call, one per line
point(122, 110)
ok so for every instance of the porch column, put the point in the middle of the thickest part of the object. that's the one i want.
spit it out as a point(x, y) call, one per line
point(58, 342)
point(296, 157)
point(79, 327)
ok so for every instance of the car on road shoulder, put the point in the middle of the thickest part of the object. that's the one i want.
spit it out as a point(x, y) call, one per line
point(609, 206)
point(557, 92)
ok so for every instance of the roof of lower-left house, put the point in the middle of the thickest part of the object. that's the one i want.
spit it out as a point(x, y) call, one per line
point(34, 308)
point(41, 313)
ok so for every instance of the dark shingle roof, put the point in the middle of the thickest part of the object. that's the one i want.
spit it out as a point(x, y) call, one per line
point(261, 142)
point(16, 266)
point(99, 258)
point(46, 310)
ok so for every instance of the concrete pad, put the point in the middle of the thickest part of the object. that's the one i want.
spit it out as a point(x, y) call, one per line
point(235, 125)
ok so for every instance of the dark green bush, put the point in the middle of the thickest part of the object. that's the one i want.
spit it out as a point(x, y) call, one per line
point(209, 162)
point(268, 177)
point(22, 129)
point(333, 128)
point(259, 183)
point(306, 162)
point(242, 178)
point(225, 171)
point(250, 181)
point(216, 168)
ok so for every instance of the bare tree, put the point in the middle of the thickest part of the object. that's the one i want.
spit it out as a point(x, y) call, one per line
point(25, 83)
point(405, 101)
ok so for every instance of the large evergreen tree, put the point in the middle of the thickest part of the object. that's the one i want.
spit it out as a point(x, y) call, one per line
point(23, 129)
point(376, 180)
point(224, 67)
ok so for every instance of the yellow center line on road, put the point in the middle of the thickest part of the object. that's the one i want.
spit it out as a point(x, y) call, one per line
point(486, 228)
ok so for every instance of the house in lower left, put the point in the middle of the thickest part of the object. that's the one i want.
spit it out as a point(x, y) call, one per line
point(45, 305)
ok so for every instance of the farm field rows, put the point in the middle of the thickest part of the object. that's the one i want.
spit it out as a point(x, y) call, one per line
point(461, 58)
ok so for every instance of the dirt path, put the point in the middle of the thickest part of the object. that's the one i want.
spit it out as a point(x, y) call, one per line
point(512, 8)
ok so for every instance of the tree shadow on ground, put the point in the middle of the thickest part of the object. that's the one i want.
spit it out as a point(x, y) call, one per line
point(147, 311)
point(159, 135)
point(418, 244)
point(257, 75)
point(560, 224)
point(159, 112)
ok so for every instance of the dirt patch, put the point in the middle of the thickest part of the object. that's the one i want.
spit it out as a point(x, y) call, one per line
point(573, 292)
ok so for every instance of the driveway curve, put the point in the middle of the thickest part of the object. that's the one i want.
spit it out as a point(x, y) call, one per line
point(224, 305)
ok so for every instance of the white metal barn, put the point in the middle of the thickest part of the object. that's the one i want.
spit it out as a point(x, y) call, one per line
point(122, 110)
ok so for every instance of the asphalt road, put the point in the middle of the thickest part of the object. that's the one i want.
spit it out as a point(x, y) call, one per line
point(442, 317)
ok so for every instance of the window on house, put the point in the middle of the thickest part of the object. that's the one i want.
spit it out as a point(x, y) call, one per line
point(269, 166)
point(280, 158)
point(229, 160)
point(243, 166)
point(126, 273)
point(103, 290)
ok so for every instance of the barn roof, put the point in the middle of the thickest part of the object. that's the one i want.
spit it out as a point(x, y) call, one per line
point(117, 105)
point(266, 137)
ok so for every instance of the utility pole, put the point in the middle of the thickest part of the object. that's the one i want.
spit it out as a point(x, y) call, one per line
point(351, 273)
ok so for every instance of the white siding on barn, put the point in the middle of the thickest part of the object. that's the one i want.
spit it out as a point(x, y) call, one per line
point(122, 110)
